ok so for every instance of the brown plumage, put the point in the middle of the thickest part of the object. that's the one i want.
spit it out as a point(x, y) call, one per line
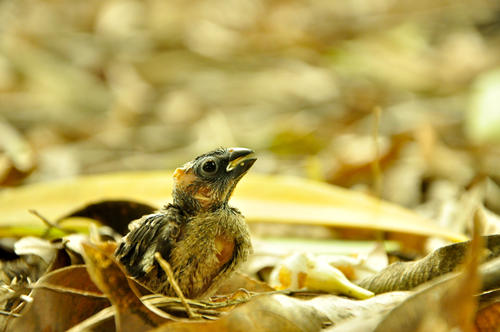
point(199, 234)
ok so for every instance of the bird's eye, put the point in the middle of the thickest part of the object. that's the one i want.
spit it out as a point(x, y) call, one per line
point(209, 167)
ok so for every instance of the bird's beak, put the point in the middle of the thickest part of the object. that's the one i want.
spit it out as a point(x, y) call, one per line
point(240, 161)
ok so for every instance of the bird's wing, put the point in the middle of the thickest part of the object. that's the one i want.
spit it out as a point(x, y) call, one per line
point(151, 233)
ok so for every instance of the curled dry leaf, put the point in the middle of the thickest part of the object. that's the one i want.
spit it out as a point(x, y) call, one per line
point(37, 257)
point(407, 275)
point(446, 304)
point(35, 246)
point(42, 256)
point(131, 313)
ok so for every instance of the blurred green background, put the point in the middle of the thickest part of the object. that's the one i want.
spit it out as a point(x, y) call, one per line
point(102, 86)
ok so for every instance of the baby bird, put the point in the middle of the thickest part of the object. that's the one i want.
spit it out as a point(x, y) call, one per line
point(199, 234)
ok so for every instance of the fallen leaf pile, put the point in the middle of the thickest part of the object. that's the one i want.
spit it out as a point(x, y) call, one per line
point(77, 277)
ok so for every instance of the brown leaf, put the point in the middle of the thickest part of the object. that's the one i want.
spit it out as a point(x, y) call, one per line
point(61, 299)
point(131, 313)
point(17, 158)
point(350, 172)
point(263, 313)
point(61, 259)
point(488, 318)
point(407, 275)
point(440, 306)
point(339, 309)
point(116, 214)
point(285, 313)
point(362, 316)
point(445, 305)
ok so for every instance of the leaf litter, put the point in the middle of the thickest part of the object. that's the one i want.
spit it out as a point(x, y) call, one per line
point(255, 308)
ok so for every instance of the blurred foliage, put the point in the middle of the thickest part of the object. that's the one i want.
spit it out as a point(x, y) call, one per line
point(112, 85)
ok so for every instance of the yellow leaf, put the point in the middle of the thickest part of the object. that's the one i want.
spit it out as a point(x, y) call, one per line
point(262, 198)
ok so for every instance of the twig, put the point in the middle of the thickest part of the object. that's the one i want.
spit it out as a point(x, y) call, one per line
point(48, 223)
point(6, 313)
point(168, 270)
point(376, 172)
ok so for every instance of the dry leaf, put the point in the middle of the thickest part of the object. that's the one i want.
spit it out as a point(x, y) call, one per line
point(445, 305)
point(263, 313)
point(17, 158)
point(285, 313)
point(131, 313)
point(488, 318)
point(69, 292)
point(407, 275)
point(262, 198)
point(35, 246)
point(115, 214)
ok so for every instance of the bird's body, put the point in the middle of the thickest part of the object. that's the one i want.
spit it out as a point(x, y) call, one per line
point(199, 234)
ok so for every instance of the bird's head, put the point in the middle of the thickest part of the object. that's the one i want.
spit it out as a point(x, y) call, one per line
point(207, 182)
